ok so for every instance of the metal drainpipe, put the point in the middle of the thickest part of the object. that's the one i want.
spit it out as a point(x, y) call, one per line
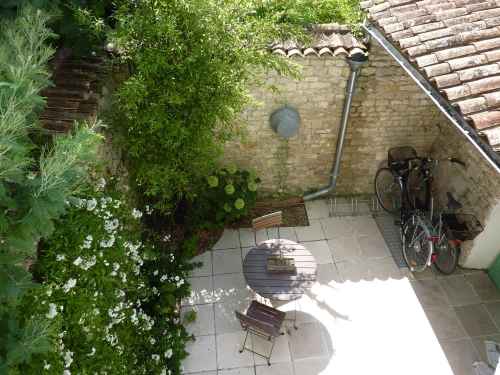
point(355, 63)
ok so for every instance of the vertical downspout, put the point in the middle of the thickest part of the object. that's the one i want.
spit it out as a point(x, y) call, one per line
point(355, 62)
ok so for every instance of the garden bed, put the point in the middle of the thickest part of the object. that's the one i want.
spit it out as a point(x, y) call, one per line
point(293, 209)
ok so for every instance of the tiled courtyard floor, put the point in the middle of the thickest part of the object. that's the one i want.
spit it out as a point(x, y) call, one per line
point(363, 316)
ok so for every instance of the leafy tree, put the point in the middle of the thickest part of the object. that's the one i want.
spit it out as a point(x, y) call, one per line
point(35, 180)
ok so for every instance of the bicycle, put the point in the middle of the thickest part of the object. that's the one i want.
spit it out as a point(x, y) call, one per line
point(405, 186)
point(396, 184)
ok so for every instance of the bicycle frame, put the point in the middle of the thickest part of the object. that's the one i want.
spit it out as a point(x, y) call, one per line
point(421, 222)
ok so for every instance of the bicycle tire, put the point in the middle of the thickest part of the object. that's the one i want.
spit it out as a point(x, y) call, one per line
point(387, 190)
point(417, 246)
point(446, 256)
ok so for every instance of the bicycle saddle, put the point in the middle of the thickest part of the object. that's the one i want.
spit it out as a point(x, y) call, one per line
point(453, 204)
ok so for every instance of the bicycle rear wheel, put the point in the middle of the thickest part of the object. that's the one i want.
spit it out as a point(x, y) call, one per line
point(388, 191)
point(446, 256)
point(417, 246)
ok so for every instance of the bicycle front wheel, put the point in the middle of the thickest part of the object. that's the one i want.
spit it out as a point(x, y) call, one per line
point(446, 256)
point(417, 246)
point(388, 191)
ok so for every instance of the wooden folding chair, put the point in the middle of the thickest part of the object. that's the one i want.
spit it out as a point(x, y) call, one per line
point(263, 321)
point(272, 220)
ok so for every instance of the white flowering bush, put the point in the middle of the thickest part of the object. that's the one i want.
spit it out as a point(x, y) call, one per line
point(112, 295)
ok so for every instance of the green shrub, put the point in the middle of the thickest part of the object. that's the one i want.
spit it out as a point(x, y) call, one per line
point(35, 179)
point(228, 195)
point(192, 62)
point(112, 297)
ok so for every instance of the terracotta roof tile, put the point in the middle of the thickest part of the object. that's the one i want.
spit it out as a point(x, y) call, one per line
point(327, 39)
point(456, 45)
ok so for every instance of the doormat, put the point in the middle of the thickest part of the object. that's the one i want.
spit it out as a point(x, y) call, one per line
point(391, 233)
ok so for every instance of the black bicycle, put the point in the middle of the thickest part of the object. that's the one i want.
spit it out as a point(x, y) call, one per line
point(406, 186)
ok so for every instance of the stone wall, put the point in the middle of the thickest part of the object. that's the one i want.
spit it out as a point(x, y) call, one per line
point(477, 187)
point(389, 109)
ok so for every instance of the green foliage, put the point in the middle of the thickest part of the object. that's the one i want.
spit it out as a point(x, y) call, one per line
point(308, 12)
point(228, 195)
point(110, 295)
point(192, 63)
point(34, 181)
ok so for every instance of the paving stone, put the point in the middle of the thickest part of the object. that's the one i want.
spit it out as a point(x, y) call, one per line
point(228, 355)
point(478, 343)
point(373, 246)
point(430, 293)
point(494, 311)
point(307, 342)
point(461, 355)
point(476, 320)
point(238, 371)
point(327, 273)
point(225, 318)
point(459, 291)
point(202, 355)
point(206, 268)
point(313, 232)
point(311, 366)
point(275, 369)
point(230, 239)
point(445, 323)
point(353, 271)
point(483, 286)
point(227, 261)
point(335, 227)
point(365, 226)
point(204, 323)
point(281, 351)
point(345, 248)
point(317, 209)
point(320, 251)
point(230, 287)
point(201, 291)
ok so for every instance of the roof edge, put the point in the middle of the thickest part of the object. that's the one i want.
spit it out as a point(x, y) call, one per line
point(444, 106)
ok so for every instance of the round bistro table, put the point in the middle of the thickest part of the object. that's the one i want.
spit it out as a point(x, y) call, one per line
point(280, 286)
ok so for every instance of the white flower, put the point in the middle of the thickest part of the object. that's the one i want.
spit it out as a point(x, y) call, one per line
point(68, 358)
point(91, 354)
point(101, 183)
point(111, 225)
point(91, 204)
point(49, 292)
point(168, 353)
point(87, 243)
point(78, 261)
point(116, 266)
point(69, 285)
point(152, 341)
point(136, 214)
point(60, 257)
point(163, 278)
point(52, 311)
point(156, 357)
point(155, 272)
point(109, 242)
point(46, 365)
point(149, 210)
point(66, 372)
point(177, 278)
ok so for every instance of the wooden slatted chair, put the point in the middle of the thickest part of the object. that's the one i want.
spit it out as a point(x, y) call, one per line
point(272, 220)
point(264, 321)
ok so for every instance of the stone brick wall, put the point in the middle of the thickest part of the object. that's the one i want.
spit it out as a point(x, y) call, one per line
point(389, 109)
point(477, 187)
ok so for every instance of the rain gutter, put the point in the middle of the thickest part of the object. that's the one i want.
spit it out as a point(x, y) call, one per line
point(444, 106)
point(356, 61)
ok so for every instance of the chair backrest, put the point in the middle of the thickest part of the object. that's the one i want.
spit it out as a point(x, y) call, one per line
point(256, 325)
point(267, 221)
